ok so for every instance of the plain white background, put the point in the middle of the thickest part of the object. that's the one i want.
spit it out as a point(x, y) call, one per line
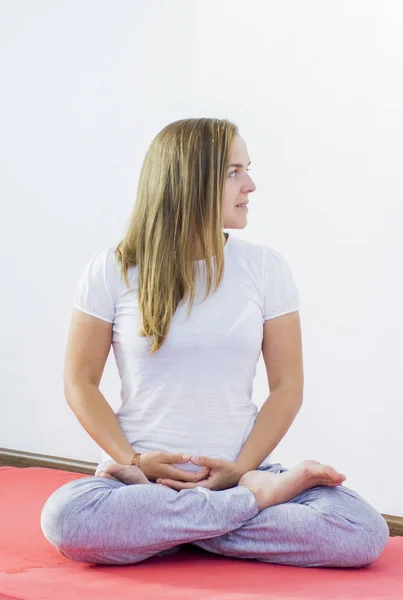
point(317, 91)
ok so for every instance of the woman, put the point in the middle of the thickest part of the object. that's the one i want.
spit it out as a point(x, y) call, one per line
point(186, 458)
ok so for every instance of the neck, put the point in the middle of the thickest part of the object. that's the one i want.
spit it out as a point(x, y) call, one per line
point(198, 254)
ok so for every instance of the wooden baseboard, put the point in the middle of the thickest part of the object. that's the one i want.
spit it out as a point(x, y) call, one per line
point(16, 458)
point(395, 524)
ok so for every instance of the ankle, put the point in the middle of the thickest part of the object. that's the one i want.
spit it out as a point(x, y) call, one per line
point(255, 493)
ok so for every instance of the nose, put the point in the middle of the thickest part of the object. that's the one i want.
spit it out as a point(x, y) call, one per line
point(249, 185)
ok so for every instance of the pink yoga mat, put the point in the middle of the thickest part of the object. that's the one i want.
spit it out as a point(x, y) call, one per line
point(32, 569)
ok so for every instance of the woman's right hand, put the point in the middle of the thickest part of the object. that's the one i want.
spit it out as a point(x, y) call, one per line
point(159, 465)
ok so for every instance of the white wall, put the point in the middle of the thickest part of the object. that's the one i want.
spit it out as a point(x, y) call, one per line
point(316, 89)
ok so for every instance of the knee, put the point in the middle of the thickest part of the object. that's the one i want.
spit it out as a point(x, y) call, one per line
point(366, 542)
point(64, 516)
point(53, 524)
point(68, 521)
point(376, 533)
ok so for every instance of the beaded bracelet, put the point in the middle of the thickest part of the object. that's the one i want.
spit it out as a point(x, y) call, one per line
point(136, 460)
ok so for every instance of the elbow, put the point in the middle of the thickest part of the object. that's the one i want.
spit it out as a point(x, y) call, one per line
point(294, 389)
point(291, 394)
point(299, 394)
point(298, 391)
point(295, 395)
point(75, 387)
point(69, 389)
point(298, 399)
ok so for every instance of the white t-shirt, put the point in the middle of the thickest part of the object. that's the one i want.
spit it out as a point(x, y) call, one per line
point(195, 394)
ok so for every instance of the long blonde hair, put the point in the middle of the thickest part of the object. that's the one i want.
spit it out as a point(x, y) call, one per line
point(178, 202)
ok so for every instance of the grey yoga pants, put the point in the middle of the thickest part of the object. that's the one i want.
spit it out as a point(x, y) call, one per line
point(99, 520)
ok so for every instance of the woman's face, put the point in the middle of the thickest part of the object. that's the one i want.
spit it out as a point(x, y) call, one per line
point(238, 185)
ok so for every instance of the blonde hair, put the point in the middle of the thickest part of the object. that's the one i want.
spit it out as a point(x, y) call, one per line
point(178, 202)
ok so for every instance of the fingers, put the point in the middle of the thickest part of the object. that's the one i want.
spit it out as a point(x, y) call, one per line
point(177, 485)
point(207, 483)
point(183, 485)
point(204, 472)
point(206, 461)
point(181, 475)
point(176, 458)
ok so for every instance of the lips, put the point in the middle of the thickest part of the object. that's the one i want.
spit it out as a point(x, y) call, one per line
point(243, 203)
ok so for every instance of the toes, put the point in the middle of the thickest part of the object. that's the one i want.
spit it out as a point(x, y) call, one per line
point(334, 479)
point(120, 473)
point(128, 474)
point(331, 474)
point(115, 470)
point(123, 474)
point(107, 476)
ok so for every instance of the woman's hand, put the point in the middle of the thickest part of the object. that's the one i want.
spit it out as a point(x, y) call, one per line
point(157, 465)
point(224, 474)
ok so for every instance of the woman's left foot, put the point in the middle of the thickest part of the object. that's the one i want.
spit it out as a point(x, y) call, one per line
point(270, 489)
point(128, 474)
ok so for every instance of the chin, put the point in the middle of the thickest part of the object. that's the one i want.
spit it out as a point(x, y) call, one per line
point(235, 225)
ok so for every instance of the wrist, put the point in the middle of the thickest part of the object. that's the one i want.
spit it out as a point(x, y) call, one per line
point(125, 457)
point(243, 468)
point(240, 470)
point(135, 460)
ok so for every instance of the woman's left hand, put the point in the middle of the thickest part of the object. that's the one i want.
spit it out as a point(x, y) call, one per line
point(223, 475)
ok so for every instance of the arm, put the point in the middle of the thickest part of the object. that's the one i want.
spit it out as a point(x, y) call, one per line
point(87, 350)
point(282, 353)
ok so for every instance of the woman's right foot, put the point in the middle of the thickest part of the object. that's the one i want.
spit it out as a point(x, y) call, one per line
point(128, 474)
point(270, 489)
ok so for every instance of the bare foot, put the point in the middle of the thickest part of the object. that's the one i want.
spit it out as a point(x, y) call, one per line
point(270, 489)
point(128, 474)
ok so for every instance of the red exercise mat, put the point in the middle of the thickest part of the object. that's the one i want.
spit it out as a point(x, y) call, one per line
point(32, 569)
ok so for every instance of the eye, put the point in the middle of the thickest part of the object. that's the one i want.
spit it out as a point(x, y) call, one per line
point(234, 173)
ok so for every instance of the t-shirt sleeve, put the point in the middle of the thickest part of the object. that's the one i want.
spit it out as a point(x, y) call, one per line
point(97, 289)
point(281, 295)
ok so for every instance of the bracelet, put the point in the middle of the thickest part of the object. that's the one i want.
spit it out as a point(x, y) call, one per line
point(136, 460)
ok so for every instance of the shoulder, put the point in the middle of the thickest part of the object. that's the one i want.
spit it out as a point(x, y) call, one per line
point(104, 260)
point(103, 269)
point(261, 255)
point(105, 256)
